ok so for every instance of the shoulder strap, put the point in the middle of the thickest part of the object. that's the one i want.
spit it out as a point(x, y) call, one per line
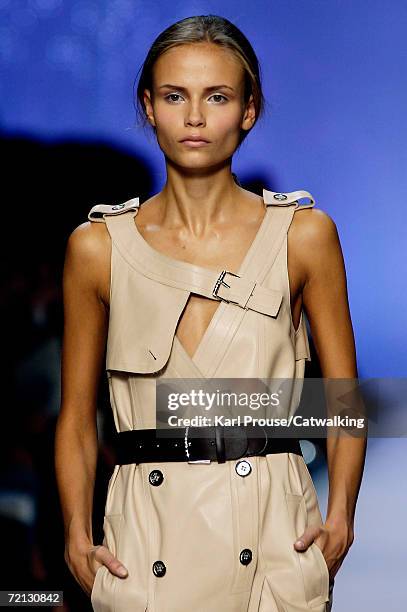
point(275, 198)
point(302, 350)
point(244, 290)
point(99, 211)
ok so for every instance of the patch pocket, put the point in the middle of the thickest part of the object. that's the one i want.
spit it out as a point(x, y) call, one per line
point(113, 501)
point(112, 528)
point(95, 586)
point(105, 583)
point(311, 562)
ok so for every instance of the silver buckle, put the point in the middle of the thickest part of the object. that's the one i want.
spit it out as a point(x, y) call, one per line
point(186, 444)
point(220, 282)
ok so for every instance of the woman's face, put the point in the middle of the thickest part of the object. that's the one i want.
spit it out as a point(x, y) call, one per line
point(198, 91)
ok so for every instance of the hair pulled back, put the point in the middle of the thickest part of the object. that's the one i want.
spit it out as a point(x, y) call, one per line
point(205, 28)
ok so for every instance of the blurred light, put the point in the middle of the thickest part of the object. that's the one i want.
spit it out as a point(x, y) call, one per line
point(13, 48)
point(85, 17)
point(39, 315)
point(308, 450)
point(110, 32)
point(114, 70)
point(63, 51)
point(7, 44)
point(25, 18)
point(46, 6)
point(18, 505)
point(121, 8)
point(67, 53)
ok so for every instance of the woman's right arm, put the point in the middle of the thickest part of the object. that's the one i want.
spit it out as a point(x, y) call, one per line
point(86, 278)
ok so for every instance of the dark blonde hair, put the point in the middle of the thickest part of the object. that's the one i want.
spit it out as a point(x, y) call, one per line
point(205, 28)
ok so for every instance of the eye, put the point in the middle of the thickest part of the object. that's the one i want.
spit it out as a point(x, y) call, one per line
point(170, 95)
point(219, 96)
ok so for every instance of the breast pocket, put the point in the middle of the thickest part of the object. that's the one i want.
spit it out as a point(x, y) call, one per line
point(311, 562)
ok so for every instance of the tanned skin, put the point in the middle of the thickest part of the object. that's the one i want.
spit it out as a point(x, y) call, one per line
point(203, 217)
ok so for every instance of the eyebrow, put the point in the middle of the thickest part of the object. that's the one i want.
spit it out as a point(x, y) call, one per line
point(212, 88)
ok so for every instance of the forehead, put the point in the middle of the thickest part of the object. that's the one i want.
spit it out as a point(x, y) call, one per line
point(198, 64)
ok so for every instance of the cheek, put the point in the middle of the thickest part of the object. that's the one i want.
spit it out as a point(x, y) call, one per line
point(225, 125)
point(165, 120)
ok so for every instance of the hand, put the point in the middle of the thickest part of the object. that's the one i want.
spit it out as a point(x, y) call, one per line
point(84, 561)
point(334, 538)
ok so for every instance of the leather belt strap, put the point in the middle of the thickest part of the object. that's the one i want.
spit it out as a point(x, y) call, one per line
point(246, 292)
point(243, 290)
point(199, 444)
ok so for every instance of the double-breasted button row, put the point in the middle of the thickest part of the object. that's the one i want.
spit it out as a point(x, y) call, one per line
point(156, 477)
point(159, 568)
point(242, 468)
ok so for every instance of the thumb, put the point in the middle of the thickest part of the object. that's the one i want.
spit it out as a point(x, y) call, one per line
point(307, 537)
point(112, 563)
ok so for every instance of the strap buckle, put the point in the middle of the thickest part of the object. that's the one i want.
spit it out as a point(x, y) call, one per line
point(187, 444)
point(220, 281)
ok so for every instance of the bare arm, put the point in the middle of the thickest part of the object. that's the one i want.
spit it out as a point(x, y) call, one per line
point(83, 345)
point(86, 270)
point(325, 301)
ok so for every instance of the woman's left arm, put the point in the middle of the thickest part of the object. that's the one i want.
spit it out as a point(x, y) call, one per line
point(325, 301)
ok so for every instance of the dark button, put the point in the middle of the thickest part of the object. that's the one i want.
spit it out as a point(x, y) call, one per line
point(156, 477)
point(159, 568)
point(245, 556)
point(118, 207)
point(280, 196)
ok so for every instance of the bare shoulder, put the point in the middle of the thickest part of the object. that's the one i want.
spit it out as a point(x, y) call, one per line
point(313, 240)
point(313, 226)
point(89, 239)
point(88, 254)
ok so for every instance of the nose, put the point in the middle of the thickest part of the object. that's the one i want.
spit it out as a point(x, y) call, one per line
point(194, 116)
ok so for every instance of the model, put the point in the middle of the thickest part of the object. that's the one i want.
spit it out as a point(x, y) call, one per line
point(204, 280)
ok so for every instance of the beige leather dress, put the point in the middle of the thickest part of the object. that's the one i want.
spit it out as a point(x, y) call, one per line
point(180, 534)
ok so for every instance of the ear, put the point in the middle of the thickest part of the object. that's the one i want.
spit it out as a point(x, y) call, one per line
point(149, 107)
point(249, 116)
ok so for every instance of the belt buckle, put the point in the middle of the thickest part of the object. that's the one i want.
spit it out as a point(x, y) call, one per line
point(220, 282)
point(187, 444)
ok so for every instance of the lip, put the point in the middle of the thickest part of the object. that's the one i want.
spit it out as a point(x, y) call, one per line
point(194, 143)
point(194, 137)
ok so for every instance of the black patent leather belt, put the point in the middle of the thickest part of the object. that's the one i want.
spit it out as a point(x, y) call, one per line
point(199, 444)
